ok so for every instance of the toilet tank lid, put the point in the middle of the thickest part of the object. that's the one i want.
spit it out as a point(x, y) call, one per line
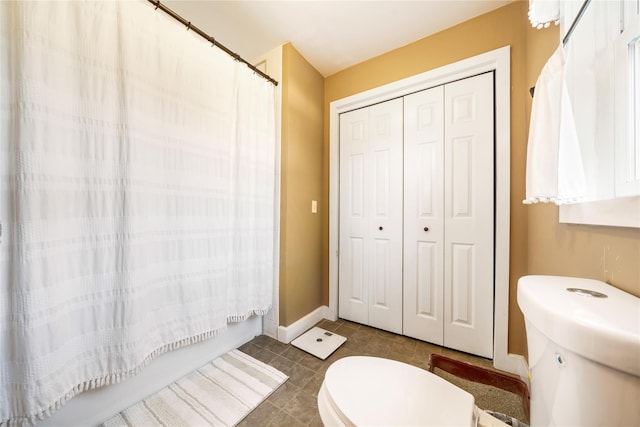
point(372, 391)
point(605, 330)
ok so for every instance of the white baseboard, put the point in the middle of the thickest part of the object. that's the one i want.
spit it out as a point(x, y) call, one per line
point(270, 324)
point(286, 334)
point(330, 314)
point(514, 364)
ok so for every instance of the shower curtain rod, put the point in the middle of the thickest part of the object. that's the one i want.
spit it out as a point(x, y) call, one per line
point(210, 39)
point(567, 36)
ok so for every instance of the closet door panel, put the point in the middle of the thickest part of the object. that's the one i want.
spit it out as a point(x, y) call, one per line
point(468, 212)
point(370, 251)
point(423, 215)
point(355, 271)
point(385, 227)
point(427, 291)
point(353, 295)
point(461, 185)
point(462, 284)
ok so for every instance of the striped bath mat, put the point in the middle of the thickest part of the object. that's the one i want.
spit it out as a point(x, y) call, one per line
point(221, 393)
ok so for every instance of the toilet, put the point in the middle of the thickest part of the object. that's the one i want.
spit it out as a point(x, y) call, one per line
point(583, 337)
point(373, 391)
point(584, 361)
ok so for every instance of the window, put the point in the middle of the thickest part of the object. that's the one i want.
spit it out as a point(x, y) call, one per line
point(635, 110)
point(603, 79)
point(627, 101)
point(634, 78)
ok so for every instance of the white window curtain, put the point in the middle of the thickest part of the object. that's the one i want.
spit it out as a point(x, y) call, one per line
point(137, 171)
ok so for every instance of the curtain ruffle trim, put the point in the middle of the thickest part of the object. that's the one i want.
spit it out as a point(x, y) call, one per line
point(559, 202)
point(121, 376)
point(543, 12)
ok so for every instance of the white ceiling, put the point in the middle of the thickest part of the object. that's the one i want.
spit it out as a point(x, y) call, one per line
point(331, 34)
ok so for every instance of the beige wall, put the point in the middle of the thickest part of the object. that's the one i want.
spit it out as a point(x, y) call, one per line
point(539, 245)
point(301, 182)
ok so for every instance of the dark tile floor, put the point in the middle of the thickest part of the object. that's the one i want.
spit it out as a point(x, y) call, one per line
point(295, 402)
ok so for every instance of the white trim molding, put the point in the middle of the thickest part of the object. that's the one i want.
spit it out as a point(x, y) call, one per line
point(271, 63)
point(620, 212)
point(286, 334)
point(497, 61)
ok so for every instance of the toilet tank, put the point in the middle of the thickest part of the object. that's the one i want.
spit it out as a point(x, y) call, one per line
point(584, 352)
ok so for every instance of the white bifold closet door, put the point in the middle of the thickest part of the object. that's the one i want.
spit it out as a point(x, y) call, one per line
point(449, 215)
point(424, 215)
point(370, 246)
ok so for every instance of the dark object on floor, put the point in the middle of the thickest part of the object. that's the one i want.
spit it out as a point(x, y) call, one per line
point(477, 374)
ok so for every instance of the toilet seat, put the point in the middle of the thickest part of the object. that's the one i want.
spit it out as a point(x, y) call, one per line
point(370, 391)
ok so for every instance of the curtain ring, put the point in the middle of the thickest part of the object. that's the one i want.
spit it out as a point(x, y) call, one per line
point(157, 4)
point(188, 25)
point(213, 41)
point(236, 57)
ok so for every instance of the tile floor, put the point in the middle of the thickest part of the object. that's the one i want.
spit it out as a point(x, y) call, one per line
point(295, 402)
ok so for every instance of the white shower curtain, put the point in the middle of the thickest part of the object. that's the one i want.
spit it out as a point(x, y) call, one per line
point(137, 171)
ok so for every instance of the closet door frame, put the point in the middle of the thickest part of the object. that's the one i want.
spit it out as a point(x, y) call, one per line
point(497, 60)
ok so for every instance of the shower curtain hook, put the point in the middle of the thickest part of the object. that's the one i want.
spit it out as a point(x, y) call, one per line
point(213, 41)
point(157, 4)
point(188, 24)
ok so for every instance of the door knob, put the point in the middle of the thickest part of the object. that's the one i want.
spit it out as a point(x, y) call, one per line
point(426, 229)
point(379, 228)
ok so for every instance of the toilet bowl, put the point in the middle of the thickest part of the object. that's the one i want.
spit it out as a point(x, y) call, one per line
point(372, 391)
